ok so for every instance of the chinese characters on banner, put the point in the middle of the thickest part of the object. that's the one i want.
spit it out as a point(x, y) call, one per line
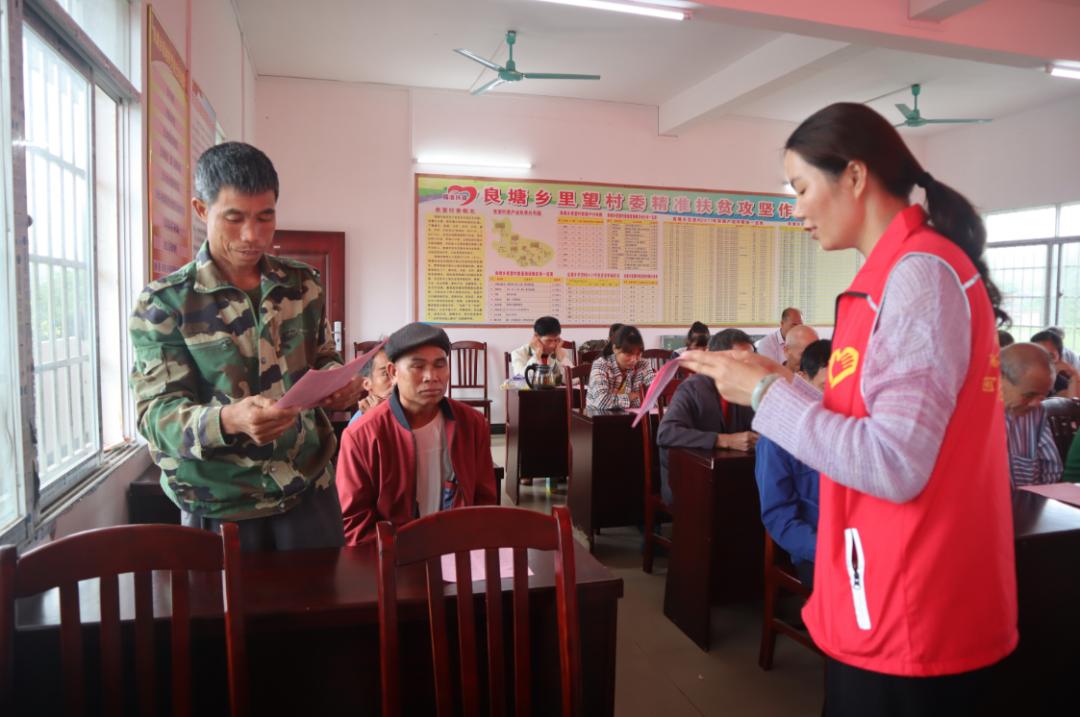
point(167, 142)
point(203, 137)
point(497, 252)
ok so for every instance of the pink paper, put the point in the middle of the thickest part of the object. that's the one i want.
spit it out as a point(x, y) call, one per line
point(476, 561)
point(314, 385)
point(656, 389)
point(1065, 492)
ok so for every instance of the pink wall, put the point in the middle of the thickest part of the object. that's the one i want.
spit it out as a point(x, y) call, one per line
point(344, 153)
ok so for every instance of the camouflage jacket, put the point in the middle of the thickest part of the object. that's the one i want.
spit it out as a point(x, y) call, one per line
point(200, 345)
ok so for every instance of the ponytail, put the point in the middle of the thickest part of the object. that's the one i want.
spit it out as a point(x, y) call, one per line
point(832, 137)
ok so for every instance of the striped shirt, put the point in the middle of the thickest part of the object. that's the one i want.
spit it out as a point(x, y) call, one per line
point(1033, 455)
point(610, 386)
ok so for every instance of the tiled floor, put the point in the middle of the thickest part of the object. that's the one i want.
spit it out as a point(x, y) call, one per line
point(660, 672)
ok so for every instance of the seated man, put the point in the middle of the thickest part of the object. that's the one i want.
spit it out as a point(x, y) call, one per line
point(772, 345)
point(788, 488)
point(699, 417)
point(697, 338)
point(1067, 383)
point(544, 347)
point(1067, 355)
point(375, 378)
point(418, 452)
point(619, 378)
point(797, 340)
point(1027, 373)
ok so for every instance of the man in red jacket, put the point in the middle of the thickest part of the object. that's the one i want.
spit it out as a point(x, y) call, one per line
point(417, 452)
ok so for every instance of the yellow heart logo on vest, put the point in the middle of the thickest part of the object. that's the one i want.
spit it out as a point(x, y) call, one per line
point(842, 364)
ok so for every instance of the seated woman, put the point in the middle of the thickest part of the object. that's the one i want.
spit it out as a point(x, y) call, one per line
point(697, 338)
point(619, 378)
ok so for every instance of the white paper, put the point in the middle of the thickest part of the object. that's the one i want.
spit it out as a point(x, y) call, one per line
point(314, 385)
point(1065, 492)
point(476, 558)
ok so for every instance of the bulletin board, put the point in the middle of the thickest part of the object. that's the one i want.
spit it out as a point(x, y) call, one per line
point(502, 252)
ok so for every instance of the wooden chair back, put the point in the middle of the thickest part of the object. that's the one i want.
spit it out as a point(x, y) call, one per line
point(586, 358)
point(468, 371)
point(664, 400)
point(105, 554)
point(657, 357)
point(654, 500)
point(362, 347)
point(506, 361)
point(779, 575)
point(570, 346)
point(1063, 416)
point(581, 375)
point(457, 532)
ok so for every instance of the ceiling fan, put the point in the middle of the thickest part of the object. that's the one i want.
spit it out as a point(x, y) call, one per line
point(912, 117)
point(510, 73)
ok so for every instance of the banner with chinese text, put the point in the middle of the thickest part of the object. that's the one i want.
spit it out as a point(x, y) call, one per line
point(503, 252)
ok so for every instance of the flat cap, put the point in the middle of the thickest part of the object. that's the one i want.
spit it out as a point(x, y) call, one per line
point(412, 336)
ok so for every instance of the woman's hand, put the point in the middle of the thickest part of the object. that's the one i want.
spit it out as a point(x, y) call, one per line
point(736, 373)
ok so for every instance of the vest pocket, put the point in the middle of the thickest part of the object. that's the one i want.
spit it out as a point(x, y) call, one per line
point(855, 560)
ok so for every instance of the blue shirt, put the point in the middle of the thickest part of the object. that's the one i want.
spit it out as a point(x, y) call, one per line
point(789, 499)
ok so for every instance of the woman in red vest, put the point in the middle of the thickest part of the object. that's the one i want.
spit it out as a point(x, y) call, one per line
point(914, 588)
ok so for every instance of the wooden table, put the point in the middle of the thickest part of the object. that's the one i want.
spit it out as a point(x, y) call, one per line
point(535, 436)
point(313, 635)
point(717, 550)
point(607, 480)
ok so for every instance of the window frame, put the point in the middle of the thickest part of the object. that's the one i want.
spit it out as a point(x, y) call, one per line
point(39, 507)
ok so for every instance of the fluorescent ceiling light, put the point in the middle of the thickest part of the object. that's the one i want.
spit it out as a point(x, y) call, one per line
point(451, 160)
point(621, 7)
point(1072, 73)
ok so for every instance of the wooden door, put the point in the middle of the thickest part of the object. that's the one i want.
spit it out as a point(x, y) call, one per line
point(326, 252)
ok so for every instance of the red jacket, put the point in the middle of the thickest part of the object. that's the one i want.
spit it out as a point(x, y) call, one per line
point(926, 587)
point(376, 470)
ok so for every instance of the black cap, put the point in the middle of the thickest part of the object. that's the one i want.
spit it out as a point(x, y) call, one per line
point(412, 336)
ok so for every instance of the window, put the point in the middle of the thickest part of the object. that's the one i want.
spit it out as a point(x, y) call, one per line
point(106, 22)
point(1034, 258)
point(65, 411)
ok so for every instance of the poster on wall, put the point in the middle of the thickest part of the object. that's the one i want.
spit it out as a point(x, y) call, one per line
point(502, 252)
point(203, 137)
point(169, 154)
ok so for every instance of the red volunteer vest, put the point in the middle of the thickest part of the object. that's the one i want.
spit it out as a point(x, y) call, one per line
point(926, 587)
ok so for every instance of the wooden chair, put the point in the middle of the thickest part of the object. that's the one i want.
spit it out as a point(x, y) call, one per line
point(362, 347)
point(457, 532)
point(581, 375)
point(586, 358)
point(570, 346)
point(467, 358)
point(779, 575)
point(105, 554)
point(655, 505)
point(1063, 415)
point(657, 357)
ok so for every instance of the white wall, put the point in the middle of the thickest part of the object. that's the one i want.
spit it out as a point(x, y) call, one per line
point(1022, 160)
point(344, 153)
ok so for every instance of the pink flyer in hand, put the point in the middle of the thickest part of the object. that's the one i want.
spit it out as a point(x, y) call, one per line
point(314, 385)
point(656, 389)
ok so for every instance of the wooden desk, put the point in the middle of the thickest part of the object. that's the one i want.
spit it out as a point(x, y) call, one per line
point(607, 479)
point(313, 636)
point(718, 541)
point(1041, 673)
point(535, 436)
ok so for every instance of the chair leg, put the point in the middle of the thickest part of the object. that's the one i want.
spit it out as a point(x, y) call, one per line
point(768, 632)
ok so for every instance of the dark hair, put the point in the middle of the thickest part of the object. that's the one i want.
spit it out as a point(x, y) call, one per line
point(698, 335)
point(547, 326)
point(815, 357)
point(367, 369)
point(612, 330)
point(786, 313)
point(234, 164)
point(725, 340)
point(832, 137)
point(627, 337)
point(1005, 338)
point(1057, 330)
point(1051, 337)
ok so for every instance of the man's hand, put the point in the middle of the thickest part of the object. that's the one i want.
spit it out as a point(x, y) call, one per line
point(257, 417)
point(536, 345)
point(744, 441)
point(344, 398)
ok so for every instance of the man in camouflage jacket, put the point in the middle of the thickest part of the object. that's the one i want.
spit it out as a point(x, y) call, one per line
point(217, 343)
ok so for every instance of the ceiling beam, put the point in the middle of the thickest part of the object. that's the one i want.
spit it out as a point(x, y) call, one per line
point(938, 10)
point(765, 67)
point(1017, 34)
